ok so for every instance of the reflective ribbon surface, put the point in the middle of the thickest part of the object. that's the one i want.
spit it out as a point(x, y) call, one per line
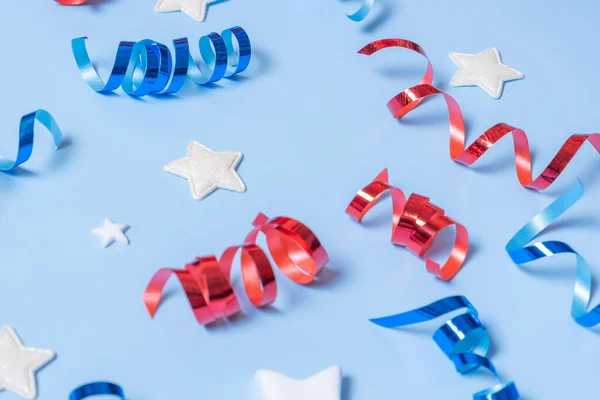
point(407, 100)
point(522, 253)
point(71, 2)
point(206, 281)
point(463, 338)
point(362, 12)
point(147, 67)
point(97, 389)
point(26, 131)
point(415, 224)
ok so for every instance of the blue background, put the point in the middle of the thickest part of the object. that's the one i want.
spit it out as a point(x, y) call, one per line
point(310, 117)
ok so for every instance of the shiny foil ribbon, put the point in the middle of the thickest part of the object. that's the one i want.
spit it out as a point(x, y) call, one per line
point(292, 245)
point(148, 67)
point(521, 252)
point(409, 99)
point(71, 2)
point(97, 389)
point(362, 12)
point(463, 338)
point(415, 224)
point(26, 131)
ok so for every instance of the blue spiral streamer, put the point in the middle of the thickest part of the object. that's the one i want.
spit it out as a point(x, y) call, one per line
point(97, 389)
point(362, 12)
point(26, 130)
point(464, 339)
point(522, 253)
point(147, 67)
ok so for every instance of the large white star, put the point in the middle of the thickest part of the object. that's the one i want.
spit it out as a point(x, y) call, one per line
point(111, 232)
point(207, 170)
point(484, 70)
point(18, 364)
point(326, 385)
point(194, 8)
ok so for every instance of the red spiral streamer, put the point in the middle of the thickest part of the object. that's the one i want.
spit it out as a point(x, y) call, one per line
point(293, 246)
point(407, 100)
point(415, 224)
point(71, 2)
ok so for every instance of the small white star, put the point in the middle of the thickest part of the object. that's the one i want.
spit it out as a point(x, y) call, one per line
point(18, 364)
point(326, 385)
point(207, 170)
point(111, 232)
point(484, 70)
point(194, 8)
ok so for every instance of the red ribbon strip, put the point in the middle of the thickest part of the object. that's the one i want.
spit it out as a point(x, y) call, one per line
point(293, 246)
point(416, 223)
point(410, 98)
point(71, 2)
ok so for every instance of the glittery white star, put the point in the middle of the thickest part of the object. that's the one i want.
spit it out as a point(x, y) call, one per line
point(207, 170)
point(111, 232)
point(194, 8)
point(18, 364)
point(326, 385)
point(484, 70)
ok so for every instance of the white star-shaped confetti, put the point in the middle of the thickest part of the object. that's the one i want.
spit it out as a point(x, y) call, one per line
point(207, 170)
point(111, 232)
point(18, 364)
point(326, 385)
point(194, 8)
point(484, 70)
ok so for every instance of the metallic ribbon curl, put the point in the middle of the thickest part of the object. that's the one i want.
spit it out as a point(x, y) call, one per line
point(464, 339)
point(71, 2)
point(147, 67)
point(522, 253)
point(26, 130)
point(362, 12)
point(97, 389)
point(409, 99)
point(415, 224)
point(293, 246)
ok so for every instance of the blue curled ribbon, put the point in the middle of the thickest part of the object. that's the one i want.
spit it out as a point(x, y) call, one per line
point(362, 12)
point(463, 339)
point(521, 253)
point(97, 389)
point(26, 129)
point(147, 67)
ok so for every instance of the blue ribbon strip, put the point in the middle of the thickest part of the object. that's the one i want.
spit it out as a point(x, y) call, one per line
point(97, 389)
point(519, 251)
point(463, 339)
point(362, 12)
point(147, 67)
point(26, 129)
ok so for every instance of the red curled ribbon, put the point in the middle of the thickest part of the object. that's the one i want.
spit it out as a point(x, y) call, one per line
point(71, 2)
point(293, 246)
point(409, 99)
point(416, 223)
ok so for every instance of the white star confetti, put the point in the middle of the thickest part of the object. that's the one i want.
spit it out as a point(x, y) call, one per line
point(326, 385)
point(194, 8)
point(485, 70)
point(207, 170)
point(18, 364)
point(111, 232)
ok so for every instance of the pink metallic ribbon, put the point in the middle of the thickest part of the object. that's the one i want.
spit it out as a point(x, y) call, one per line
point(415, 224)
point(293, 246)
point(407, 100)
point(71, 2)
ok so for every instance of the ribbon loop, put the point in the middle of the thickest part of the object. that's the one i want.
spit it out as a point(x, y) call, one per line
point(97, 389)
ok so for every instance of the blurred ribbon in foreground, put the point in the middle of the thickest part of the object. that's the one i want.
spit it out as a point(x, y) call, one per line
point(362, 12)
point(97, 389)
point(71, 2)
point(147, 67)
point(415, 224)
point(522, 253)
point(409, 99)
point(464, 339)
point(206, 281)
point(26, 131)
